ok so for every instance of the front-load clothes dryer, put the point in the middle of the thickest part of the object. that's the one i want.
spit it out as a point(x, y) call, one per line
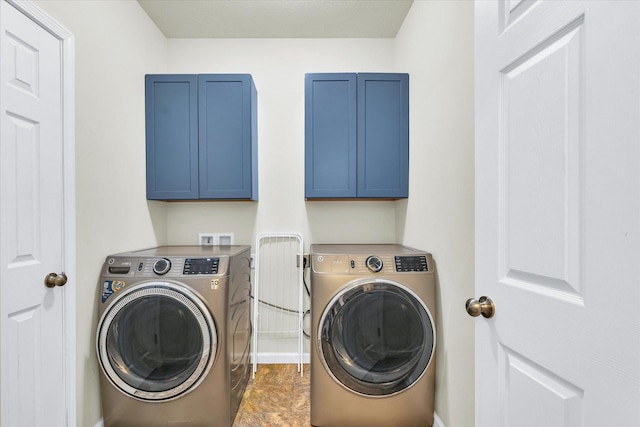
point(373, 336)
point(173, 337)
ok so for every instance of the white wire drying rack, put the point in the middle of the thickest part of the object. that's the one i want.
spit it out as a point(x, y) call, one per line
point(278, 288)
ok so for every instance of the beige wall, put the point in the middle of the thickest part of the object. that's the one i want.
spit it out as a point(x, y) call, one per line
point(116, 44)
point(435, 45)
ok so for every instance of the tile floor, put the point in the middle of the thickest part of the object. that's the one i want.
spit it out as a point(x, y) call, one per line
point(278, 396)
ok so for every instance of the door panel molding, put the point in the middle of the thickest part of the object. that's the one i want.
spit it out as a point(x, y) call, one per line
point(542, 171)
point(523, 381)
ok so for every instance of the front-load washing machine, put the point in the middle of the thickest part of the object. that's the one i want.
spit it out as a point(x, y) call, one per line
point(173, 339)
point(373, 336)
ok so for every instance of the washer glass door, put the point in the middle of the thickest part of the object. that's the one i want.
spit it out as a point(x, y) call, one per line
point(157, 341)
point(376, 338)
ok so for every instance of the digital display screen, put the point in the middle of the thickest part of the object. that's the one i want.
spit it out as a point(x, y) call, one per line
point(201, 265)
point(411, 263)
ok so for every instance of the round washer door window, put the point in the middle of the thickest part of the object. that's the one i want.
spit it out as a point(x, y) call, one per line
point(376, 338)
point(156, 341)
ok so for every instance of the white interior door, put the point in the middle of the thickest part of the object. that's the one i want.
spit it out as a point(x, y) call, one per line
point(33, 341)
point(558, 213)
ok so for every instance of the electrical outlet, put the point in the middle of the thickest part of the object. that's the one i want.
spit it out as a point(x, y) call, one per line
point(211, 239)
point(206, 239)
point(305, 258)
point(225, 239)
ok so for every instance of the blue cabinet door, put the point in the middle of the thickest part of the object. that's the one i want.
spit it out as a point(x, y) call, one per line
point(383, 135)
point(330, 135)
point(172, 137)
point(357, 136)
point(227, 136)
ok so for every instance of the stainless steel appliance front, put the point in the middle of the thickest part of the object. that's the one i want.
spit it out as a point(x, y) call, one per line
point(173, 337)
point(373, 310)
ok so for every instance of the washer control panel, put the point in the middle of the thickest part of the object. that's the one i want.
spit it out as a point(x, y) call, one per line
point(164, 266)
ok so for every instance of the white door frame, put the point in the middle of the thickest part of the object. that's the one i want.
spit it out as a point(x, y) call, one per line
point(69, 214)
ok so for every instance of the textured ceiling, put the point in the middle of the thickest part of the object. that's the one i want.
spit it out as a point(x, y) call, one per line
point(277, 18)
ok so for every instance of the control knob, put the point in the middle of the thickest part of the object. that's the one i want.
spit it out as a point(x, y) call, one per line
point(162, 266)
point(374, 263)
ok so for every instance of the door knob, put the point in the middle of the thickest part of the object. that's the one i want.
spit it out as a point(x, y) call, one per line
point(483, 306)
point(52, 280)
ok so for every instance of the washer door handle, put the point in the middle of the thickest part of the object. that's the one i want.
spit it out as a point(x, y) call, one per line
point(484, 306)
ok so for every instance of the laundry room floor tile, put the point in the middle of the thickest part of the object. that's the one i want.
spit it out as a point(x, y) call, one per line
point(278, 396)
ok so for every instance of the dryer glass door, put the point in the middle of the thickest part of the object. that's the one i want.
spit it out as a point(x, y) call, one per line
point(376, 338)
point(156, 342)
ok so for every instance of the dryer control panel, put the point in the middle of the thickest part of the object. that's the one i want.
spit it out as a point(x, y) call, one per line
point(368, 264)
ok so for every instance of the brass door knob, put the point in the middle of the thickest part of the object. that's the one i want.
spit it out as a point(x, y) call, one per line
point(52, 280)
point(483, 306)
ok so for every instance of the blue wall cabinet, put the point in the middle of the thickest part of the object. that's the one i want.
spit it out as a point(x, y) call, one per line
point(201, 137)
point(356, 136)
